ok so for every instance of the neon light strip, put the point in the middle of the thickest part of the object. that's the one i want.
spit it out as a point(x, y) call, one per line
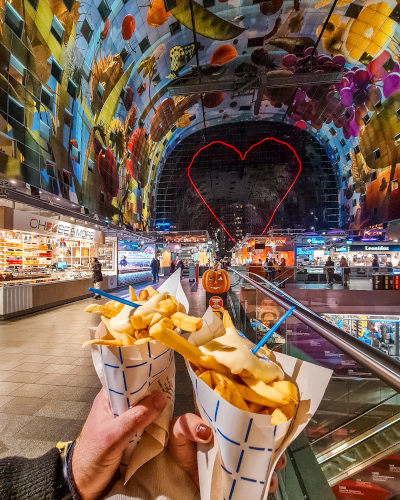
point(242, 157)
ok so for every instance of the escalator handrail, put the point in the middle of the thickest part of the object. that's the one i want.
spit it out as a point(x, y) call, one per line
point(384, 367)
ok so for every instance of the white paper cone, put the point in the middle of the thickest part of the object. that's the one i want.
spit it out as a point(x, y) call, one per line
point(249, 446)
point(129, 373)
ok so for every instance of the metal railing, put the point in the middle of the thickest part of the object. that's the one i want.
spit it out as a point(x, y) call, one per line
point(382, 366)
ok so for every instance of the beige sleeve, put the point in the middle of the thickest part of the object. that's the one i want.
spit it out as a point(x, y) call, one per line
point(160, 478)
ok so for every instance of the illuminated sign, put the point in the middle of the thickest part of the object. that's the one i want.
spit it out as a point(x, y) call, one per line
point(341, 249)
point(375, 249)
point(316, 241)
point(304, 251)
point(275, 241)
point(25, 221)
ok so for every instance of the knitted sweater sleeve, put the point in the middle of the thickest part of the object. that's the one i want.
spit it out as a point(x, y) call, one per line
point(32, 479)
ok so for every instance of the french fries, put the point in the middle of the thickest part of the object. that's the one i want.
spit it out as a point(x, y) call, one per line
point(162, 313)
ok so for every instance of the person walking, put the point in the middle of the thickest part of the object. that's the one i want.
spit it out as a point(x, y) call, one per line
point(345, 270)
point(282, 272)
point(172, 267)
point(375, 265)
point(330, 269)
point(154, 269)
point(97, 275)
point(181, 266)
point(271, 270)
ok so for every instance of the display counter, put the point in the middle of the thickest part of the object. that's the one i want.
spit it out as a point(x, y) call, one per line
point(133, 276)
point(25, 298)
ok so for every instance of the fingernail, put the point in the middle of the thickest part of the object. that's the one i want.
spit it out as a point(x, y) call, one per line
point(159, 400)
point(203, 432)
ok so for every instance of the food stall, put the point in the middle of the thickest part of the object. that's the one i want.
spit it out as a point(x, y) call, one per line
point(134, 259)
point(44, 262)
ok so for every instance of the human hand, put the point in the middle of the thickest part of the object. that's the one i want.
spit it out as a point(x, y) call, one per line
point(98, 449)
point(184, 434)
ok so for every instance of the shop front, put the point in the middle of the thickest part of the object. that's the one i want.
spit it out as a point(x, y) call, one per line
point(45, 261)
point(134, 259)
point(380, 331)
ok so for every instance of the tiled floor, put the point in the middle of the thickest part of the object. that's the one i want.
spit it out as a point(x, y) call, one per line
point(47, 381)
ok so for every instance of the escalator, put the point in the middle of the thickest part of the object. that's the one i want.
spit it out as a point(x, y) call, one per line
point(357, 425)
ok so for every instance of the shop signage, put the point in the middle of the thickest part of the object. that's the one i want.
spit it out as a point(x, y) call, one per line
point(4, 185)
point(341, 249)
point(275, 241)
point(375, 248)
point(25, 221)
point(316, 241)
point(304, 251)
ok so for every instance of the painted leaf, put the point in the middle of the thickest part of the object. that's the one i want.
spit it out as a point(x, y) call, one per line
point(206, 23)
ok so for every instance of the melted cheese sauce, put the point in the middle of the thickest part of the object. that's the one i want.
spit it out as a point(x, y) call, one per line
point(234, 352)
point(122, 322)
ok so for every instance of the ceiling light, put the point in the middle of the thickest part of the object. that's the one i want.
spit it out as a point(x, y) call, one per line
point(72, 218)
point(13, 182)
point(58, 199)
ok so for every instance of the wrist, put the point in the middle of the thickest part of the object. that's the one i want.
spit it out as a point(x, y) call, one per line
point(66, 452)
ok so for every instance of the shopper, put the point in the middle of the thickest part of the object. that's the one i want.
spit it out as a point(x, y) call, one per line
point(389, 267)
point(181, 265)
point(271, 270)
point(345, 270)
point(330, 269)
point(172, 267)
point(375, 265)
point(154, 269)
point(97, 275)
point(282, 272)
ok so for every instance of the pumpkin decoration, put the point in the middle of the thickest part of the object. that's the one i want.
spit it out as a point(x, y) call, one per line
point(216, 281)
point(128, 27)
point(223, 55)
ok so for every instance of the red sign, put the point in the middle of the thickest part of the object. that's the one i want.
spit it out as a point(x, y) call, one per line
point(216, 302)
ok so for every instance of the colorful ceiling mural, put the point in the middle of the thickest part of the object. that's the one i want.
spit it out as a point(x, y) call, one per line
point(87, 114)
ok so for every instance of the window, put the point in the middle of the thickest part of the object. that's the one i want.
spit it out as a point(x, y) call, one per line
point(244, 108)
point(144, 44)
point(333, 132)
point(354, 202)
point(44, 131)
point(124, 54)
point(85, 71)
point(348, 157)
point(56, 71)
point(175, 27)
point(90, 165)
point(342, 143)
point(353, 10)
point(395, 14)
point(67, 178)
point(13, 20)
point(373, 175)
point(57, 30)
point(69, 4)
point(100, 90)
point(7, 145)
point(17, 70)
point(394, 184)
point(255, 42)
point(156, 80)
point(357, 150)
point(46, 98)
point(104, 9)
point(34, 3)
point(51, 168)
point(169, 4)
point(67, 118)
point(377, 154)
point(71, 88)
point(102, 197)
point(208, 3)
point(16, 110)
point(86, 30)
point(396, 140)
point(75, 154)
point(366, 119)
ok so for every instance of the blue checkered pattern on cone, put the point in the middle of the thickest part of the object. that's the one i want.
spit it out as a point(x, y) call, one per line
point(247, 441)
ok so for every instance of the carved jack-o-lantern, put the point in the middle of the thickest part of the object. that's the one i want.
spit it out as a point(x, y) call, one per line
point(216, 281)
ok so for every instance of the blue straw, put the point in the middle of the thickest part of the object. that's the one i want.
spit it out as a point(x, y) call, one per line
point(273, 329)
point(113, 297)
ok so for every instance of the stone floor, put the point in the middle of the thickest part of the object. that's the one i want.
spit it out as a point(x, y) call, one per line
point(47, 381)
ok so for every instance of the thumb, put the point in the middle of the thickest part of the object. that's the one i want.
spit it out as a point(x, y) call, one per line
point(137, 418)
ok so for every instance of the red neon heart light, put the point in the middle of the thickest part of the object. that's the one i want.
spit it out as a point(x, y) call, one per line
point(242, 157)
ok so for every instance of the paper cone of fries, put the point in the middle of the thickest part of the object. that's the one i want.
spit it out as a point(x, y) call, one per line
point(129, 373)
point(246, 446)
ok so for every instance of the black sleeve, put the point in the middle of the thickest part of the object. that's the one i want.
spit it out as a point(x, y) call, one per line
point(33, 479)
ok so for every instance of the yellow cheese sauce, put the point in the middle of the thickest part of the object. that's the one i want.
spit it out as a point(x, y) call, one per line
point(234, 352)
point(122, 323)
